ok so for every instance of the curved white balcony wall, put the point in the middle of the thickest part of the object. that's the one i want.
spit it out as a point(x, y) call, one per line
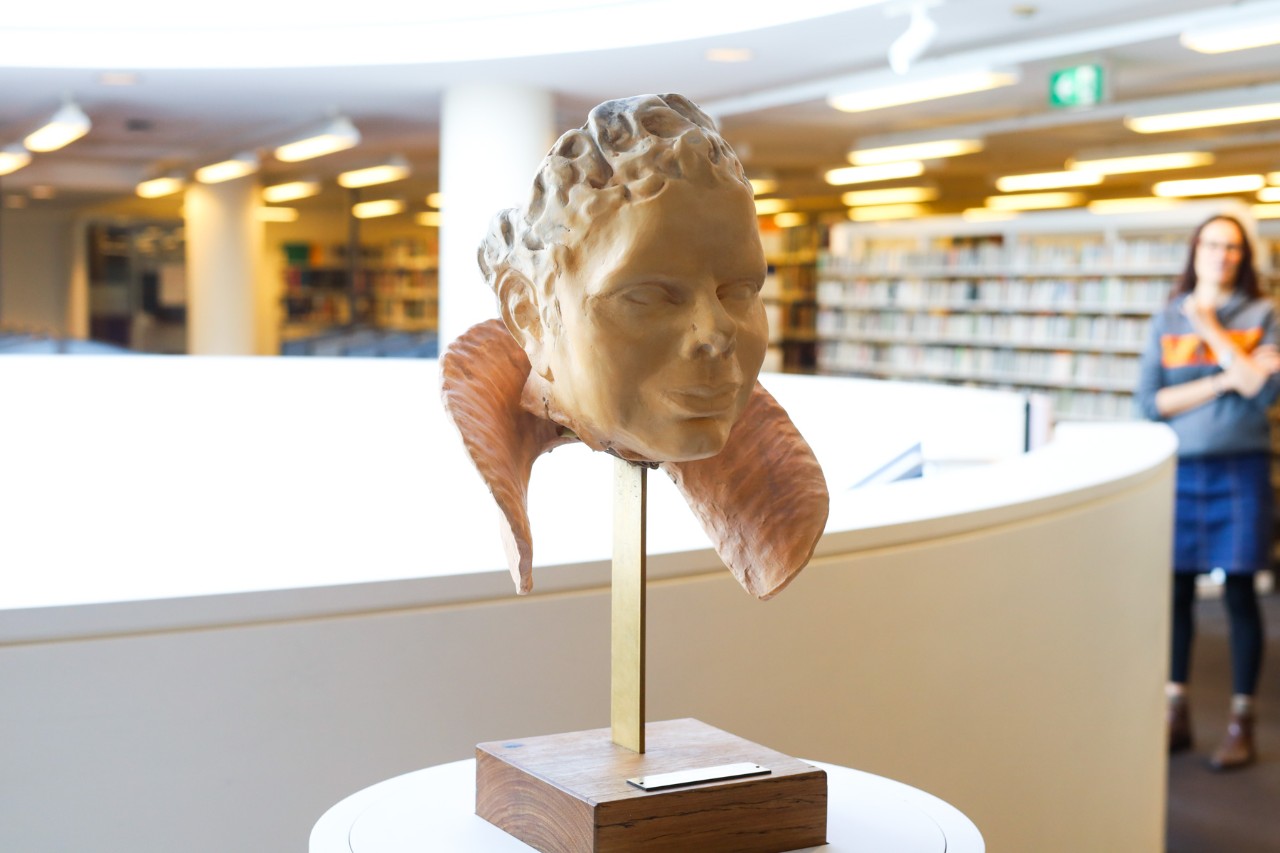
point(238, 590)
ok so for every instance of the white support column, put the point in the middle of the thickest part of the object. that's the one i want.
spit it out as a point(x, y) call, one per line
point(492, 138)
point(225, 314)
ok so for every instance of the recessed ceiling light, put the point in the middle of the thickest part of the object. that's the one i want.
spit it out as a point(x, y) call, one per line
point(931, 150)
point(729, 54)
point(65, 126)
point(290, 191)
point(766, 206)
point(1047, 181)
point(1142, 162)
point(245, 163)
point(869, 174)
point(160, 187)
point(1210, 186)
point(277, 214)
point(118, 78)
point(12, 158)
point(895, 195)
point(380, 207)
point(986, 214)
point(887, 211)
point(1035, 201)
point(790, 219)
point(395, 169)
point(1227, 39)
point(338, 134)
point(1132, 205)
point(1218, 117)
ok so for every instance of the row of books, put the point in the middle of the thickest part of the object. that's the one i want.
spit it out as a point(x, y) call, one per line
point(1048, 369)
point(995, 330)
point(403, 282)
point(848, 251)
point(1138, 295)
point(1072, 404)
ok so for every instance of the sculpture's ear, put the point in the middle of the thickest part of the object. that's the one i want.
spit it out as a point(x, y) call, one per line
point(519, 303)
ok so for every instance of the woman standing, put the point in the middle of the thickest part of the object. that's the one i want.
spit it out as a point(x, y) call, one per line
point(1207, 371)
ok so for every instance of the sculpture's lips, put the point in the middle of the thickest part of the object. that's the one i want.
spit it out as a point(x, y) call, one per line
point(705, 400)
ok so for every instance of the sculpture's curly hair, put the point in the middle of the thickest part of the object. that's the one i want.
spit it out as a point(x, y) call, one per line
point(627, 151)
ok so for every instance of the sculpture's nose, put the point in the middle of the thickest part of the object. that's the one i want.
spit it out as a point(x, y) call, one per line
point(713, 332)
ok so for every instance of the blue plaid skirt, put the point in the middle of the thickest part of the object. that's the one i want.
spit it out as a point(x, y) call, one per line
point(1223, 514)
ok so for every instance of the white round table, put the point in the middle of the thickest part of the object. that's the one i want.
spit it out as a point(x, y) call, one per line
point(434, 809)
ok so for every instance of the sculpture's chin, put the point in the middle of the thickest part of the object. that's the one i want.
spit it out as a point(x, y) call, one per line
point(685, 440)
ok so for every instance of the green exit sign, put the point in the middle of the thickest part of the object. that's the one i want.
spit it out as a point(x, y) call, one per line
point(1080, 86)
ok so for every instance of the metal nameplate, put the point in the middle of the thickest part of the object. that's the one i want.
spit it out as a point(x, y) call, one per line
point(702, 774)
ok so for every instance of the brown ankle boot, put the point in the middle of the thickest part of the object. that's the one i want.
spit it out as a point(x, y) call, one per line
point(1236, 749)
point(1179, 725)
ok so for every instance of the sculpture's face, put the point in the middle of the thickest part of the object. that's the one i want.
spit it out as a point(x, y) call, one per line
point(663, 328)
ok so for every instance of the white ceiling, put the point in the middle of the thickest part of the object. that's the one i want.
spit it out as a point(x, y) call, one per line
point(771, 108)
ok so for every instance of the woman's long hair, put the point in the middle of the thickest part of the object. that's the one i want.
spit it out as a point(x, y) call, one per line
point(1246, 274)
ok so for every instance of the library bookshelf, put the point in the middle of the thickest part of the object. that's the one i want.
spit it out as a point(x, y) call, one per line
point(392, 286)
point(1053, 303)
point(790, 296)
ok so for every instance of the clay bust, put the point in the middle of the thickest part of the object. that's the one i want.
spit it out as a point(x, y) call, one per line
point(629, 289)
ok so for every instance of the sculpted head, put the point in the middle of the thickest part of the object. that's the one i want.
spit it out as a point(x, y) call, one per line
point(632, 282)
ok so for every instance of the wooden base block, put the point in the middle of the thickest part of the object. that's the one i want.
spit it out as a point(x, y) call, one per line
point(568, 793)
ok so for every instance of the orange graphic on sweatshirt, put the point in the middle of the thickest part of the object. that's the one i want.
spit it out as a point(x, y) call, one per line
point(1190, 350)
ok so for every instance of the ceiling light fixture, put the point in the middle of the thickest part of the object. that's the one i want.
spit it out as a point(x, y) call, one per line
point(896, 195)
point(380, 207)
point(1273, 178)
point(921, 90)
point(12, 158)
point(65, 126)
point(244, 163)
point(729, 54)
point(436, 200)
point(1265, 211)
point(117, 78)
point(1269, 194)
point(767, 206)
point(1139, 204)
point(986, 214)
point(790, 219)
point(277, 214)
point(338, 134)
point(887, 211)
point(160, 187)
point(868, 174)
point(429, 218)
point(759, 186)
point(395, 169)
point(1226, 39)
point(933, 150)
point(1204, 118)
point(1047, 181)
point(1035, 201)
point(1142, 162)
point(1209, 186)
point(290, 191)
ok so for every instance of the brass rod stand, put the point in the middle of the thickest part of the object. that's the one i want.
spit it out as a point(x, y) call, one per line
point(628, 608)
